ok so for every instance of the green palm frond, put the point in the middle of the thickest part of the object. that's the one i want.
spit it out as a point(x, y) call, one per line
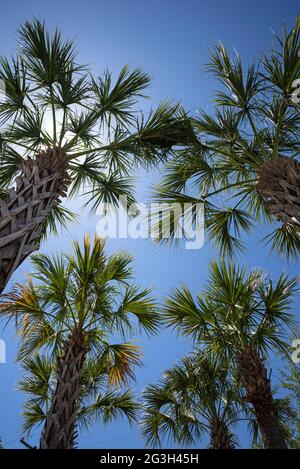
point(88, 293)
point(166, 126)
point(110, 191)
point(47, 57)
point(120, 360)
point(40, 336)
point(118, 267)
point(234, 311)
point(116, 101)
point(59, 218)
point(70, 90)
point(225, 226)
point(173, 214)
point(188, 400)
point(33, 415)
point(37, 380)
point(29, 129)
point(139, 304)
point(188, 165)
point(283, 67)
point(180, 310)
point(242, 89)
point(13, 74)
point(52, 102)
point(96, 403)
point(22, 300)
point(81, 126)
point(10, 161)
point(83, 174)
point(108, 407)
point(254, 120)
point(278, 297)
point(286, 240)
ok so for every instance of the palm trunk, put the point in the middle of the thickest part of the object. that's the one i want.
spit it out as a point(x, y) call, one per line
point(279, 186)
point(43, 180)
point(254, 378)
point(60, 427)
point(220, 436)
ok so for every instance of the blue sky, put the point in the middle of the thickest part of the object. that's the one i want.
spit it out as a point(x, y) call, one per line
point(170, 40)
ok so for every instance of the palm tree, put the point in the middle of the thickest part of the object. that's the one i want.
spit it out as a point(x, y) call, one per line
point(96, 400)
point(195, 397)
point(243, 166)
point(290, 382)
point(63, 130)
point(78, 304)
point(240, 318)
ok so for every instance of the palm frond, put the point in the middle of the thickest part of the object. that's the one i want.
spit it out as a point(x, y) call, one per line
point(117, 101)
point(108, 407)
point(139, 304)
point(120, 360)
point(47, 57)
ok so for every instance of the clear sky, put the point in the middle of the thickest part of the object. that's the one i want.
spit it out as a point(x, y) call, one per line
point(170, 40)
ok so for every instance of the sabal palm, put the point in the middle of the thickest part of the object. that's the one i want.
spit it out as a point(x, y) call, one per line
point(194, 398)
point(243, 166)
point(79, 303)
point(240, 318)
point(63, 130)
point(290, 383)
point(97, 402)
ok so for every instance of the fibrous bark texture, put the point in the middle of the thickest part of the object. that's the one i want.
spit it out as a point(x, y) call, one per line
point(259, 393)
point(60, 427)
point(23, 212)
point(220, 436)
point(279, 185)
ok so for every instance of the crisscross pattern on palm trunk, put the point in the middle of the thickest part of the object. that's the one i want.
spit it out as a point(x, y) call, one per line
point(42, 181)
point(255, 380)
point(279, 186)
point(60, 426)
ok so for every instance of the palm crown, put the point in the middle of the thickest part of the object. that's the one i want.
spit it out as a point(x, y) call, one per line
point(240, 319)
point(236, 310)
point(78, 306)
point(243, 165)
point(87, 292)
point(193, 398)
point(97, 401)
point(90, 117)
point(63, 130)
